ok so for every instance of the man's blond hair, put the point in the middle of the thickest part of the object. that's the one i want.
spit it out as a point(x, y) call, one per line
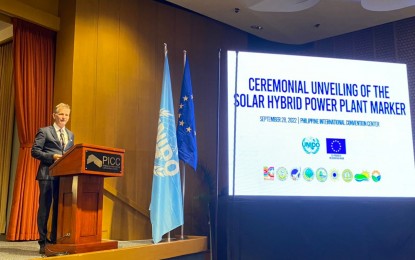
point(61, 106)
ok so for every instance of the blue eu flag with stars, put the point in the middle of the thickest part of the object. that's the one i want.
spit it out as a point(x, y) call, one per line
point(186, 127)
point(336, 145)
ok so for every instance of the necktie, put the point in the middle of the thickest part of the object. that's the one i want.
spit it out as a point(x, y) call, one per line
point(62, 140)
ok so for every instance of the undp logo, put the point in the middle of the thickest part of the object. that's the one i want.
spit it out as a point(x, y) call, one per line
point(311, 145)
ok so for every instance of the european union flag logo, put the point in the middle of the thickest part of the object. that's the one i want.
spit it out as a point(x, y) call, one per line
point(336, 146)
point(186, 128)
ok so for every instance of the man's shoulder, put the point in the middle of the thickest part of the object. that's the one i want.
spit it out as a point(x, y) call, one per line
point(69, 131)
point(46, 128)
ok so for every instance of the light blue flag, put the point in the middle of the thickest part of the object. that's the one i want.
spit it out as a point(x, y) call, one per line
point(166, 207)
point(186, 125)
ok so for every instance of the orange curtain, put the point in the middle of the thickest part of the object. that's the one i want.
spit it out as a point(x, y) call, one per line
point(6, 129)
point(34, 57)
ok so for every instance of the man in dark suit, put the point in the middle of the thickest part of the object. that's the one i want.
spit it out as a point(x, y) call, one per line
point(49, 145)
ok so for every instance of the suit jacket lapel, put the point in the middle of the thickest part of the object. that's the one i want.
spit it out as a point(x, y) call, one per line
point(55, 135)
point(69, 136)
point(53, 132)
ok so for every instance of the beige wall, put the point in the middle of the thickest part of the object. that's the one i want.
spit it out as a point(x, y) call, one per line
point(109, 68)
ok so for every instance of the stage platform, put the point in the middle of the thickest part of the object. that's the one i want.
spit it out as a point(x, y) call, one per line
point(194, 247)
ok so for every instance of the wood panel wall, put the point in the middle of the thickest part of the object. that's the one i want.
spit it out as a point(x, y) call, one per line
point(109, 69)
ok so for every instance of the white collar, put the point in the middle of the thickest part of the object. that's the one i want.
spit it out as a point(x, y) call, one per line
point(57, 128)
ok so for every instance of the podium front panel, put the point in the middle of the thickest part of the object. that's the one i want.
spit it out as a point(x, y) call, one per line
point(80, 211)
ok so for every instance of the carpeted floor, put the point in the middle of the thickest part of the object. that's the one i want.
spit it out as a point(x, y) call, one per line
point(23, 250)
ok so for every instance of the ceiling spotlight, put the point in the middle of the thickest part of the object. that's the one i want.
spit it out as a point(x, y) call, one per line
point(257, 27)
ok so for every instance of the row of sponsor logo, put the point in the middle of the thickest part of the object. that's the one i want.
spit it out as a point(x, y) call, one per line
point(321, 174)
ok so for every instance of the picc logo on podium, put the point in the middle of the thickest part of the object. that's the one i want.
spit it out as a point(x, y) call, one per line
point(103, 162)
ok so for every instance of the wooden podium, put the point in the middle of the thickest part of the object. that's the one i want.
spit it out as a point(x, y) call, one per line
point(82, 170)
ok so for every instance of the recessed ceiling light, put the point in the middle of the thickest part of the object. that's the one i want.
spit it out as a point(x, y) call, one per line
point(257, 27)
point(376, 5)
point(282, 5)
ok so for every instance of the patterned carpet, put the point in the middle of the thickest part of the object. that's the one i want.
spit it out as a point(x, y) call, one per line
point(24, 250)
point(18, 250)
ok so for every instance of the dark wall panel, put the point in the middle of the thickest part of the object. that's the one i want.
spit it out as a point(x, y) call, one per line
point(327, 228)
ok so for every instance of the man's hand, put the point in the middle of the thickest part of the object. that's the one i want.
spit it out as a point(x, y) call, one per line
point(57, 156)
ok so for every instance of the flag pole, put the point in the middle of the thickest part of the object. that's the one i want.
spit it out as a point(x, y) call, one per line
point(183, 165)
point(165, 54)
point(183, 186)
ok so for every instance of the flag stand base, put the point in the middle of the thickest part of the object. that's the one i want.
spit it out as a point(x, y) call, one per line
point(167, 240)
point(182, 237)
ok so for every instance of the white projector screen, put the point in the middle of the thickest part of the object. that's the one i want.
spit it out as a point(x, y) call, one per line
point(308, 126)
